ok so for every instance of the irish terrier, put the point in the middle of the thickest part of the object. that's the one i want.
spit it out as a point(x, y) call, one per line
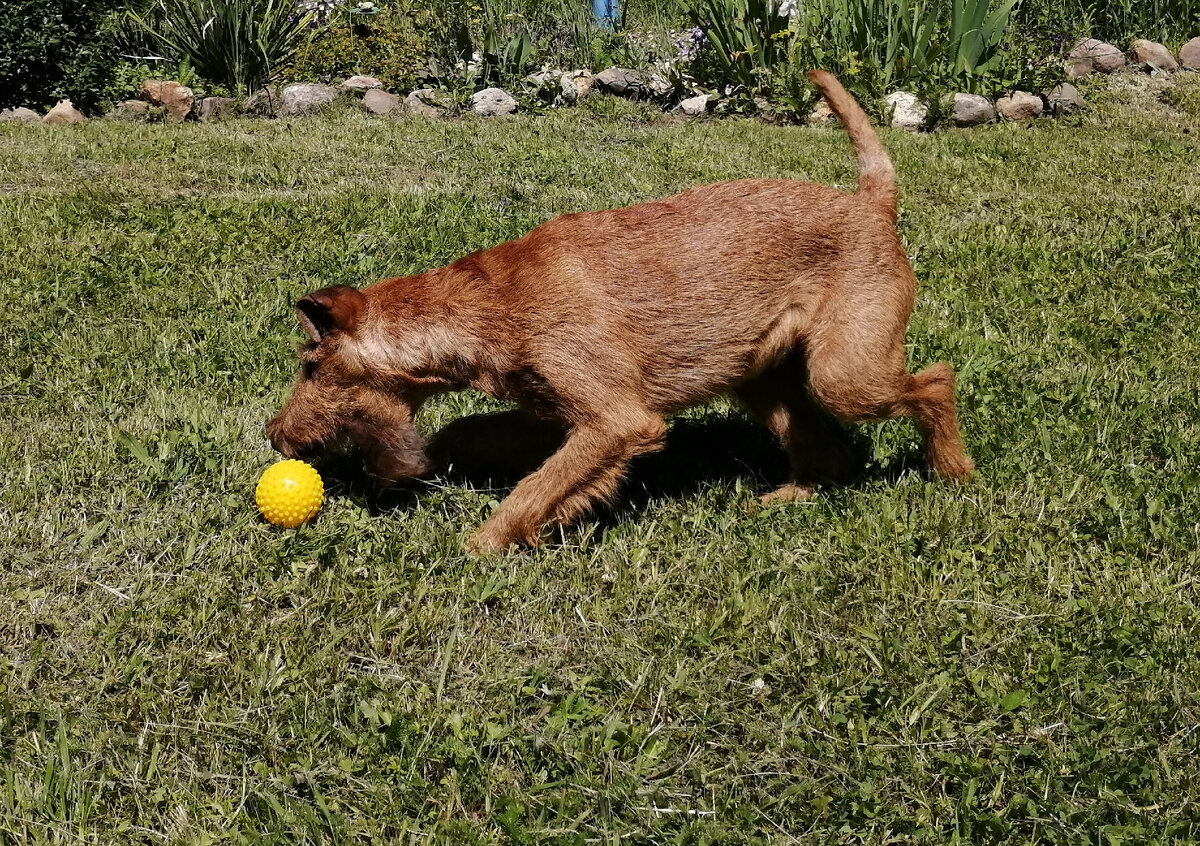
point(792, 296)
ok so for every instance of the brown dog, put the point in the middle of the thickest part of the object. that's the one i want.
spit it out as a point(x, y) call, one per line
point(793, 296)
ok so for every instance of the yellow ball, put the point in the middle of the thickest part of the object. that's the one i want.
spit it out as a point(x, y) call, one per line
point(289, 493)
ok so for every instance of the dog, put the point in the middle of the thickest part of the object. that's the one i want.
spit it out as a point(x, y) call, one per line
point(792, 296)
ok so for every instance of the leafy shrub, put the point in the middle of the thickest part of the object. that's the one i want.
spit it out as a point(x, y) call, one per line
point(395, 54)
point(496, 41)
point(126, 77)
point(237, 44)
point(50, 49)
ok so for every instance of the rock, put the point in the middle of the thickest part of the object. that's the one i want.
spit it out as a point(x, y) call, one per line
point(542, 79)
point(1092, 54)
point(543, 85)
point(20, 115)
point(379, 102)
point(575, 85)
point(305, 98)
point(697, 105)
point(428, 102)
point(1064, 98)
point(136, 111)
point(908, 112)
point(1189, 54)
point(1154, 54)
point(264, 102)
point(1019, 105)
point(822, 115)
point(219, 108)
point(621, 81)
point(659, 86)
point(361, 84)
point(64, 113)
point(493, 102)
point(972, 110)
point(177, 100)
point(132, 109)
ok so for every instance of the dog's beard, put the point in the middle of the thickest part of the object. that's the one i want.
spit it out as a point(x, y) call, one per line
point(396, 458)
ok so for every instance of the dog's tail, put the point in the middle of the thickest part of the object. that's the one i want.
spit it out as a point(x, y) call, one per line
point(876, 176)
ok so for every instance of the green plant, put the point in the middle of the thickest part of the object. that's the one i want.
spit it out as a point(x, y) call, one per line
point(748, 38)
point(387, 49)
point(901, 42)
point(1123, 20)
point(497, 41)
point(874, 45)
point(235, 43)
point(50, 49)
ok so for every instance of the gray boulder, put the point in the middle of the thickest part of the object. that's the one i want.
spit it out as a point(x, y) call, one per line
point(546, 85)
point(20, 115)
point(621, 81)
point(972, 110)
point(306, 98)
point(64, 113)
point(1093, 55)
point(264, 102)
point(822, 115)
point(379, 102)
point(908, 112)
point(136, 111)
point(493, 102)
point(1064, 98)
point(361, 84)
point(1019, 106)
point(659, 86)
point(1189, 54)
point(697, 105)
point(219, 108)
point(575, 85)
point(426, 102)
point(1156, 55)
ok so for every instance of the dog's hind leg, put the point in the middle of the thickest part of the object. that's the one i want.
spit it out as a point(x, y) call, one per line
point(818, 448)
point(857, 372)
point(589, 465)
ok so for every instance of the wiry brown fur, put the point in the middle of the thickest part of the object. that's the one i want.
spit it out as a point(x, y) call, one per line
point(793, 296)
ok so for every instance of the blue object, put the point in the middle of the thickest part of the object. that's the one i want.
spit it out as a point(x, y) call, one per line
point(607, 13)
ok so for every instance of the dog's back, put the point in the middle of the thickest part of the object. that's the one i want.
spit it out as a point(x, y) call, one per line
point(716, 283)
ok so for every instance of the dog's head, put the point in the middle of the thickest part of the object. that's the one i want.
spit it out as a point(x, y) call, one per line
point(338, 394)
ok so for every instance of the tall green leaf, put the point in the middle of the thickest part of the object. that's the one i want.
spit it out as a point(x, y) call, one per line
point(235, 43)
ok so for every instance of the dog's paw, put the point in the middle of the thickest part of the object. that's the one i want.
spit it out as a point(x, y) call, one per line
point(788, 493)
point(956, 467)
point(483, 542)
point(490, 539)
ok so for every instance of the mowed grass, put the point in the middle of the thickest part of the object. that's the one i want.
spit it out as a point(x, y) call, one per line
point(1013, 660)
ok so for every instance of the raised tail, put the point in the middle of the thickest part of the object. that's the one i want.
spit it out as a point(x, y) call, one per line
point(876, 176)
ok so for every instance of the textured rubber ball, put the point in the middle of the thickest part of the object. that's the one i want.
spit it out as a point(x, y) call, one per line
point(289, 493)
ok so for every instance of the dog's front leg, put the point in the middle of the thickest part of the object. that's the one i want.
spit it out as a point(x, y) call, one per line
point(587, 467)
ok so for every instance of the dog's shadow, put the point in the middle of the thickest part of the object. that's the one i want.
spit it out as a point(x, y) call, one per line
point(492, 452)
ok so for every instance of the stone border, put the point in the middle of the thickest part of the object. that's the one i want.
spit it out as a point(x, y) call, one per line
point(169, 101)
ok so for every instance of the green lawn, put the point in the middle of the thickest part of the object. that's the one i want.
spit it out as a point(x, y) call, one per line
point(1013, 660)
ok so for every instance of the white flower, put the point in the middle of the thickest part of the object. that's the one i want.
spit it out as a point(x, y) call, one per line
point(788, 8)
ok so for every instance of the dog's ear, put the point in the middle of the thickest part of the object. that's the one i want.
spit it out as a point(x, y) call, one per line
point(329, 310)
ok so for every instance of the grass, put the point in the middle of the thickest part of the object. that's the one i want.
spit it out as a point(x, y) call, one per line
point(1011, 661)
